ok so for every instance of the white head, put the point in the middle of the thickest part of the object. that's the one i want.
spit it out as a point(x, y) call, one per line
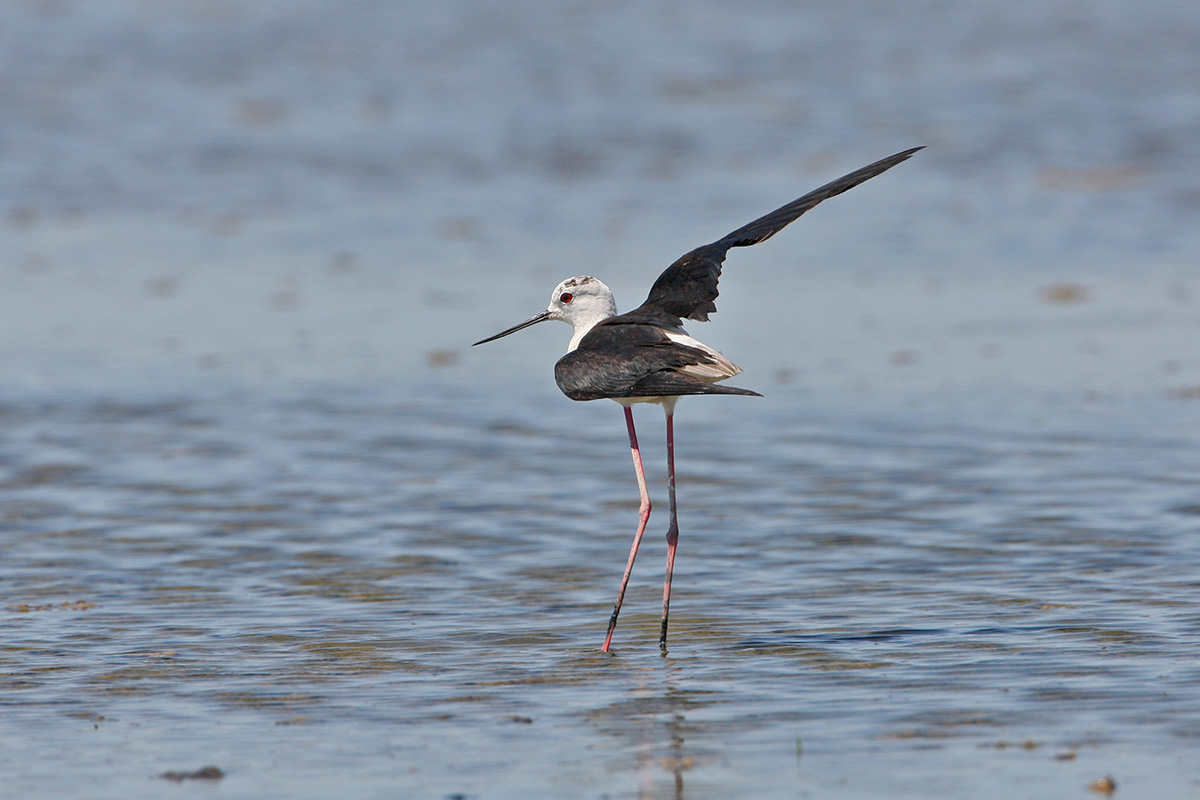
point(582, 301)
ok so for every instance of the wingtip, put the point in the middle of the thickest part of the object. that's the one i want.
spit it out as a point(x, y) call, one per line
point(903, 155)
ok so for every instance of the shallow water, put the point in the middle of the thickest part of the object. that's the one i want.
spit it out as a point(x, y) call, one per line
point(408, 593)
point(263, 509)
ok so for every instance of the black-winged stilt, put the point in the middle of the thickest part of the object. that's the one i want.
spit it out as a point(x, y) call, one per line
point(646, 356)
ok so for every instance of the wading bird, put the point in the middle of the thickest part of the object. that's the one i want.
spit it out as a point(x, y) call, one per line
point(646, 356)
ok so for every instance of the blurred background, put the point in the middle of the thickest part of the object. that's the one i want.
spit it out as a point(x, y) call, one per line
point(235, 191)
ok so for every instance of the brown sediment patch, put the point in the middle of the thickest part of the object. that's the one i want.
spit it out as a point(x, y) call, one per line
point(72, 605)
point(202, 774)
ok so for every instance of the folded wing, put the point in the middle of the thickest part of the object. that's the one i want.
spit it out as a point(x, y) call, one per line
point(636, 360)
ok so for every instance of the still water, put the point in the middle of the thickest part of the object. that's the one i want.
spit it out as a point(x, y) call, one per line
point(263, 510)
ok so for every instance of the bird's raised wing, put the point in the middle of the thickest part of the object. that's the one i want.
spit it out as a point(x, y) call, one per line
point(688, 288)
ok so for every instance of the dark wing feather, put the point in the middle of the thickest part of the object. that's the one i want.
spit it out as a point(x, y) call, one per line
point(675, 384)
point(765, 227)
point(632, 360)
point(688, 288)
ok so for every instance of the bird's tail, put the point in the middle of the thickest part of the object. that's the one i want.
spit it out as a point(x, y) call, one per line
point(670, 383)
point(716, 388)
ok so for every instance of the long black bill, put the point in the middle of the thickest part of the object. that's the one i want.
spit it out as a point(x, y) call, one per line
point(542, 317)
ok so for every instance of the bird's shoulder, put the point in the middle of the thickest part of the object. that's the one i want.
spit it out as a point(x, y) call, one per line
point(688, 288)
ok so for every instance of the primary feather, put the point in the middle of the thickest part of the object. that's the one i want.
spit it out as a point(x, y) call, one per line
point(688, 288)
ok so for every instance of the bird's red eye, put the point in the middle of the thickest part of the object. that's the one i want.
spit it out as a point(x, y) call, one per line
point(566, 297)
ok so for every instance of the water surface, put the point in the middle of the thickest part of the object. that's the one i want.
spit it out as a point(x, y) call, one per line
point(263, 509)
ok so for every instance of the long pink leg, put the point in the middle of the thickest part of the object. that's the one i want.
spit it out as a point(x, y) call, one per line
point(672, 529)
point(643, 518)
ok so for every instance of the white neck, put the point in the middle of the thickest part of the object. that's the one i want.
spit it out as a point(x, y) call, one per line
point(583, 326)
point(582, 302)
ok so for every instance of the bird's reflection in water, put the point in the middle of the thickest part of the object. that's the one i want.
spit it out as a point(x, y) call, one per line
point(653, 722)
point(677, 762)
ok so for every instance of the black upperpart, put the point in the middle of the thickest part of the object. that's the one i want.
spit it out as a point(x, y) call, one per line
point(688, 288)
point(633, 360)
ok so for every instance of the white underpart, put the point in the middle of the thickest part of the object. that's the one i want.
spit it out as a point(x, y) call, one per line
point(668, 402)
